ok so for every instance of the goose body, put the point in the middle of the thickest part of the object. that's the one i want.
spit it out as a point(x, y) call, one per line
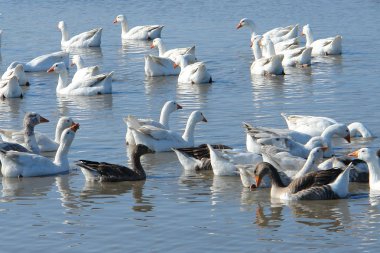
point(43, 62)
point(161, 140)
point(82, 71)
point(11, 88)
point(167, 109)
point(20, 164)
point(143, 32)
point(107, 172)
point(17, 71)
point(159, 66)
point(300, 56)
point(90, 38)
point(328, 46)
point(195, 73)
point(172, 54)
point(90, 86)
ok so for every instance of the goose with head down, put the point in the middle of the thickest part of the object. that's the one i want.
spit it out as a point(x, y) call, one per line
point(43, 62)
point(193, 73)
point(90, 38)
point(142, 32)
point(10, 88)
point(328, 46)
point(159, 66)
point(17, 71)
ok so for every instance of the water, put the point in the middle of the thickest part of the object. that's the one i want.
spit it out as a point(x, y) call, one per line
point(172, 211)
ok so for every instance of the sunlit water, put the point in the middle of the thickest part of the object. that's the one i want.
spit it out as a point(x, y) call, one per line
point(172, 211)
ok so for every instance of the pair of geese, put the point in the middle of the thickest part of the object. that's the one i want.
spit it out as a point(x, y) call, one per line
point(279, 47)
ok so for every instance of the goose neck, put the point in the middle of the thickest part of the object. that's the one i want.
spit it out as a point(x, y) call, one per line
point(63, 80)
point(270, 48)
point(61, 157)
point(188, 135)
point(374, 171)
point(257, 51)
point(136, 165)
point(161, 49)
point(124, 26)
point(309, 38)
point(307, 167)
point(30, 139)
point(65, 34)
point(164, 117)
point(275, 177)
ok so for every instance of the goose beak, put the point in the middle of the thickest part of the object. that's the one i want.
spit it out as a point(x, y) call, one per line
point(204, 119)
point(75, 127)
point(151, 46)
point(252, 187)
point(251, 44)
point(302, 34)
point(258, 181)
point(175, 65)
point(354, 154)
point(324, 148)
point(239, 26)
point(43, 120)
point(179, 107)
point(50, 70)
point(115, 21)
point(348, 138)
point(72, 124)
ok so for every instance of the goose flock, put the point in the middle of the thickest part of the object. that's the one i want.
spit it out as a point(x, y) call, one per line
point(299, 162)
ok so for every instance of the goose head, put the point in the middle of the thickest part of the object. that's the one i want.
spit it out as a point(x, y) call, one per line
point(340, 130)
point(33, 119)
point(306, 29)
point(119, 19)
point(366, 154)
point(141, 149)
point(316, 154)
point(61, 25)
point(68, 134)
point(262, 169)
point(58, 67)
point(76, 60)
point(184, 60)
point(172, 106)
point(65, 122)
point(244, 23)
point(197, 116)
point(156, 42)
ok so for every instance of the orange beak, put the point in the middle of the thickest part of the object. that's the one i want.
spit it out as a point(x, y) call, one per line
point(72, 124)
point(348, 138)
point(251, 44)
point(75, 127)
point(324, 148)
point(354, 154)
point(302, 34)
point(43, 120)
point(179, 107)
point(72, 64)
point(239, 26)
point(258, 181)
point(115, 21)
point(175, 65)
point(204, 119)
point(50, 70)
point(151, 46)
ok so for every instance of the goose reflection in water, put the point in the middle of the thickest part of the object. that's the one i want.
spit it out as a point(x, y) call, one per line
point(197, 93)
point(14, 188)
point(67, 103)
point(135, 47)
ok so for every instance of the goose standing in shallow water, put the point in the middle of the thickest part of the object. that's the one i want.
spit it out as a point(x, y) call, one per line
point(17, 71)
point(90, 38)
point(43, 62)
point(193, 73)
point(319, 185)
point(20, 164)
point(143, 32)
point(107, 172)
point(167, 109)
point(328, 46)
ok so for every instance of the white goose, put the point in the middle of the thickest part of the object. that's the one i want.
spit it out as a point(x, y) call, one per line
point(286, 45)
point(17, 71)
point(328, 46)
point(82, 71)
point(172, 54)
point(372, 157)
point(90, 38)
point(314, 125)
point(20, 164)
point(167, 109)
point(143, 32)
point(43, 62)
point(45, 144)
point(93, 85)
point(195, 73)
point(159, 66)
point(10, 88)
point(161, 140)
point(265, 66)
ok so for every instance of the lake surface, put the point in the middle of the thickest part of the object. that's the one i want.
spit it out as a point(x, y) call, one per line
point(172, 211)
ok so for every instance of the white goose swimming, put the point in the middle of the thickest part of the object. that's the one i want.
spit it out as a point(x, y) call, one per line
point(20, 164)
point(10, 88)
point(43, 62)
point(161, 140)
point(82, 71)
point(167, 109)
point(17, 71)
point(172, 54)
point(93, 85)
point(328, 46)
point(159, 66)
point(45, 144)
point(143, 32)
point(90, 38)
point(314, 125)
point(195, 73)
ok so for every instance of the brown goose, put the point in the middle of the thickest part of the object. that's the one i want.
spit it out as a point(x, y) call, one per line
point(319, 185)
point(107, 172)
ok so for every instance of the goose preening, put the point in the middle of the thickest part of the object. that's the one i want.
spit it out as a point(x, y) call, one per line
point(172, 54)
point(45, 143)
point(265, 66)
point(372, 157)
point(143, 32)
point(167, 109)
point(92, 85)
point(31, 119)
point(314, 126)
point(43, 62)
point(328, 46)
point(90, 38)
point(193, 73)
point(17, 71)
point(82, 71)
point(108, 172)
point(21, 164)
point(161, 140)
point(319, 185)
point(10, 88)
point(159, 66)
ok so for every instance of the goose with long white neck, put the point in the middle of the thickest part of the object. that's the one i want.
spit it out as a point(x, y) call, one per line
point(143, 32)
point(161, 140)
point(319, 185)
point(328, 46)
point(43, 62)
point(10, 88)
point(172, 54)
point(167, 109)
point(193, 73)
point(45, 143)
point(90, 86)
point(17, 71)
point(20, 164)
point(90, 38)
point(82, 71)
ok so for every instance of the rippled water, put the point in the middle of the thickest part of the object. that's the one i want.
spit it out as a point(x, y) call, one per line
point(172, 211)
